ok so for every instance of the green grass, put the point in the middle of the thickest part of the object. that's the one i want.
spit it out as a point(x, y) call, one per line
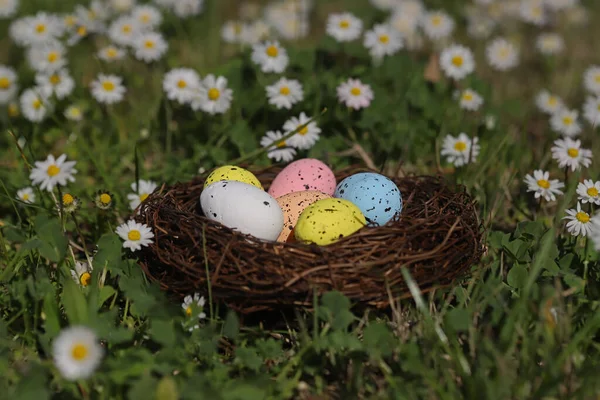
point(522, 325)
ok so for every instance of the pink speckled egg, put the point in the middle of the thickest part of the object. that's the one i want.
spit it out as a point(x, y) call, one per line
point(301, 175)
point(292, 205)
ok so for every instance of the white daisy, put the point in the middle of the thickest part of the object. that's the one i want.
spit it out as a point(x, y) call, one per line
point(480, 26)
point(470, 100)
point(135, 235)
point(404, 23)
point(48, 57)
point(8, 8)
point(548, 103)
point(594, 234)
point(384, 5)
point(588, 191)
point(146, 188)
point(565, 122)
point(279, 150)
point(147, 16)
point(108, 89)
point(382, 41)
point(569, 154)
point(305, 138)
point(82, 273)
point(41, 28)
point(26, 195)
point(149, 46)
point(502, 55)
point(580, 222)
point(111, 53)
point(94, 16)
point(121, 6)
point(76, 352)
point(235, 31)
point(193, 306)
point(52, 172)
point(557, 5)
point(292, 26)
point(73, 113)
point(285, 93)
point(344, 27)
point(180, 83)
point(550, 43)
point(532, 11)
point(457, 61)
point(59, 83)
point(591, 110)
point(591, 79)
point(8, 84)
point(35, 104)
point(437, 24)
point(270, 56)
point(258, 30)
point(213, 96)
point(543, 186)
point(123, 30)
point(187, 8)
point(412, 8)
point(460, 150)
point(354, 94)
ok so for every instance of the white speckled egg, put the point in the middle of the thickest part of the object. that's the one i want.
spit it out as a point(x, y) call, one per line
point(243, 207)
point(303, 174)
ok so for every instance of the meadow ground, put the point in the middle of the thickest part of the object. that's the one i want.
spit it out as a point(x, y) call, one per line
point(522, 324)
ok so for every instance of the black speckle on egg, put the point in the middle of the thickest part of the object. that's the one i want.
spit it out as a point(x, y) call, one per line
point(266, 203)
point(234, 169)
point(388, 209)
point(306, 187)
point(215, 215)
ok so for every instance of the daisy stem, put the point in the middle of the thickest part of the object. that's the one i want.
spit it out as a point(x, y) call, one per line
point(87, 256)
point(126, 310)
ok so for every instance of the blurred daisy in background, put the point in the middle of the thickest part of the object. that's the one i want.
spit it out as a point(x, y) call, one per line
point(354, 94)
point(306, 137)
point(404, 23)
point(569, 154)
point(8, 84)
point(588, 191)
point(108, 89)
point(35, 104)
point(559, 5)
point(234, 31)
point(457, 61)
point(26, 195)
point(212, 96)
point(135, 235)
point(111, 53)
point(149, 46)
point(82, 273)
point(502, 54)
point(76, 352)
point(8, 8)
point(382, 41)
point(58, 83)
point(73, 113)
point(123, 30)
point(548, 102)
point(344, 27)
point(285, 93)
point(147, 16)
point(565, 122)
point(51, 172)
point(550, 43)
point(121, 6)
point(532, 11)
point(138, 196)
point(180, 84)
point(470, 100)
point(270, 56)
point(278, 149)
point(460, 150)
point(579, 222)
point(591, 79)
point(40, 28)
point(542, 186)
point(437, 24)
point(48, 57)
point(187, 8)
point(384, 5)
point(591, 110)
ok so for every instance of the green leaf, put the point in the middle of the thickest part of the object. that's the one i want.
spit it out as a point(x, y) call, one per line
point(459, 319)
point(109, 253)
point(52, 321)
point(74, 302)
point(14, 234)
point(269, 349)
point(167, 389)
point(517, 276)
point(105, 293)
point(231, 327)
point(53, 241)
point(163, 332)
point(143, 388)
point(248, 357)
point(32, 386)
point(335, 302)
point(378, 339)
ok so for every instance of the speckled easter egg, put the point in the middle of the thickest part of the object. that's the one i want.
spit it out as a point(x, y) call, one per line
point(243, 207)
point(232, 173)
point(292, 205)
point(304, 174)
point(375, 195)
point(328, 220)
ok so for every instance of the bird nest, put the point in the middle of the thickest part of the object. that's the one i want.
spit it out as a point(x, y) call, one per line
point(437, 238)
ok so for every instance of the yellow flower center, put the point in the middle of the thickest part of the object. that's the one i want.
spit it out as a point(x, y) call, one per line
point(25, 196)
point(536, 11)
point(134, 235)
point(436, 20)
point(188, 311)
point(457, 61)
point(108, 86)
point(567, 120)
point(237, 28)
point(85, 279)
point(13, 110)
point(597, 78)
point(53, 56)
point(552, 101)
point(303, 131)
point(384, 38)
point(344, 24)
point(592, 192)
point(284, 90)
point(181, 84)
point(74, 112)
point(145, 18)
point(81, 31)
point(143, 196)
point(54, 79)
point(582, 217)
point(272, 51)
point(281, 144)
point(126, 28)
point(149, 44)
point(91, 14)
point(4, 83)
point(111, 52)
point(467, 96)
point(355, 91)
point(36, 103)
point(79, 352)
point(70, 20)
point(105, 198)
point(573, 152)
point(544, 184)
point(214, 94)
point(67, 199)
point(503, 52)
point(40, 28)
point(460, 146)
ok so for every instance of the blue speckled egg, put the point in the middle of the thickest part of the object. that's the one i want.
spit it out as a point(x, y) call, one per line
point(375, 195)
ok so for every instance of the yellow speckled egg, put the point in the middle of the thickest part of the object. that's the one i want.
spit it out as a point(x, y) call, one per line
point(232, 173)
point(292, 205)
point(328, 220)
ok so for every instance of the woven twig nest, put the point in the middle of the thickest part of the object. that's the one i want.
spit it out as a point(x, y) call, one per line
point(437, 238)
